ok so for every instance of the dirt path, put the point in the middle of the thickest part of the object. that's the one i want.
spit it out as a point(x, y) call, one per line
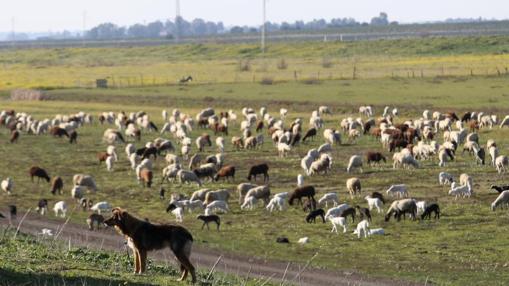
point(203, 257)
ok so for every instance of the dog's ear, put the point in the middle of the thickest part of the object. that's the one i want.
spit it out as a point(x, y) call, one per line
point(115, 210)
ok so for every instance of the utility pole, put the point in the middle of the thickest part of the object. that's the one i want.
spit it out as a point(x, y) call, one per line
point(177, 21)
point(264, 16)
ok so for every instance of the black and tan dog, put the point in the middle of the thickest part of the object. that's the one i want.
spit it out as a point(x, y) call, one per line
point(143, 236)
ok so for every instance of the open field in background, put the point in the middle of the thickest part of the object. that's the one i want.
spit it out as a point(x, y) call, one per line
point(467, 244)
point(217, 63)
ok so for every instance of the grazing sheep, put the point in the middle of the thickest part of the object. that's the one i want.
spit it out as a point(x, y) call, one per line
point(432, 208)
point(258, 170)
point(188, 177)
point(299, 193)
point(85, 181)
point(311, 217)
point(502, 200)
point(338, 221)
point(421, 206)
point(276, 201)
point(374, 203)
point(445, 178)
point(463, 190)
point(39, 173)
point(398, 190)
point(353, 185)
point(60, 208)
point(329, 197)
point(219, 195)
point(493, 150)
point(220, 144)
point(362, 229)
point(259, 193)
point(199, 195)
point(215, 206)
point(208, 219)
point(101, 207)
point(355, 162)
point(202, 141)
point(206, 171)
point(364, 213)
point(283, 149)
point(465, 179)
point(225, 172)
point(400, 207)
point(349, 212)
point(249, 203)
point(445, 154)
point(77, 192)
point(7, 185)
point(96, 219)
point(501, 163)
point(323, 164)
point(500, 189)
point(336, 211)
point(57, 184)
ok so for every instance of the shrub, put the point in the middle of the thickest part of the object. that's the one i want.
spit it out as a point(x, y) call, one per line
point(244, 65)
point(282, 65)
point(267, 81)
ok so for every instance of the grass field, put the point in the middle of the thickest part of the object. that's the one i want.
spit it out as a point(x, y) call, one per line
point(28, 260)
point(467, 246)
point(218, 63)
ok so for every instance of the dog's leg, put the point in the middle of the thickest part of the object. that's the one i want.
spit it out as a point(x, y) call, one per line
point(183, 257)
point(136, 261)
point(143, 261)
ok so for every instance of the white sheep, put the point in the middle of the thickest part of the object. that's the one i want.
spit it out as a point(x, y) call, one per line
point(215, 206)
point(101, 207)
point(283, 195)
point(7, 185)
point(374, 203)
point(179, 214)
point(199, 195)
point(463, 191)
point(466, 179)
point(373, 231)
point(353, 185)
point(220, 144)
point(445, 178)
point(303, 240)
point(111, 150)
point(338, 221)
point(329, 198)
point(501, 163)
point(249, 203)
point(130, 149)
point(421, 206)
point(493, 150)
point(60, 208)
point(283, 149)
point(355, 163)
point(85, 181)
point(362, 229)
point(276, 202)
point(399, 190)
point(300, 180)
point(109, 163)
point(502, 199)
point(336, 211)
point(323, 164)
point(77, 192)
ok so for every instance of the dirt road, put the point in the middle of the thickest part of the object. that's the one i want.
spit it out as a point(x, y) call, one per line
point(204, 258)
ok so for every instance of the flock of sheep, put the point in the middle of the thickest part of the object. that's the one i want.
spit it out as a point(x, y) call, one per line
point(411, 141)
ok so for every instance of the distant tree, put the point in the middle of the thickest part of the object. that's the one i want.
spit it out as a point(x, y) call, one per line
point(236, 30)
point(106, 31)
point(381, 20)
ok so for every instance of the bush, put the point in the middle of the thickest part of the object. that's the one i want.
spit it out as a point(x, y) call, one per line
point(267, 81)
point(282, 65)
point(244, 65)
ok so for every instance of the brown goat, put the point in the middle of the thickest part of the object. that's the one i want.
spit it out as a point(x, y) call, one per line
point(375, 158)
point(102, 156)
point(146, 177)
point(57, 131)
point(301, 192)
point(225, 172)
point(220, 128)
point(14, 136)
point(57, 184)
point(39, 173)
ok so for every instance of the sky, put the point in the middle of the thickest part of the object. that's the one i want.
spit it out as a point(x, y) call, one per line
point(57, 15)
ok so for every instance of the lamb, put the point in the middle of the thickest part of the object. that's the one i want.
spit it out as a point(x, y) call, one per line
point(353, 185)
point(188, 177)
point(94, 218)
point(259, 193)
point(209, 218)
point(336, 211)
point(57, 184)
point(323, 164)
point(401, 207)
point(101, 207)
point(77, 192)
point(502, 200)
point(219, 195)
point(374, 203)
point(215, 206)
point(257, 170)
point(311, 217)
point(7, 185)
point(276, 201)
point(362, 229)
point(432, 208)
point(421, 206)
point(355, 163)
point(364, 213)
point(463, 190)
point(60, 208)
point(283, 149)
point(338, 221)
point(38, 172)
point(85, 181)
point(501, 163)
point(179, 214)
point(398, 190)
point(445, 178)
point(299, 193)
point(329, 197)
point(249, 203)
point(225, 172)
point(42, 207)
